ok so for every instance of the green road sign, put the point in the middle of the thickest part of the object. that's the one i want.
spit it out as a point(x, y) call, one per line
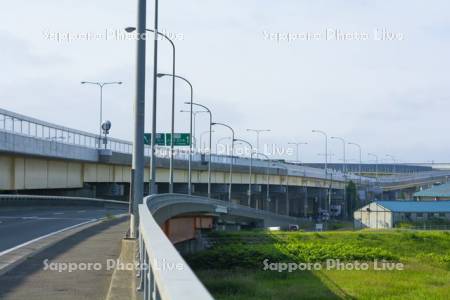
point(164, 139)
point(160, 139)
point(181, 139)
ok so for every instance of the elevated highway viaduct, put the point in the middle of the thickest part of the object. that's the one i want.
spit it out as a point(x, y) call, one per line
point(37, 157)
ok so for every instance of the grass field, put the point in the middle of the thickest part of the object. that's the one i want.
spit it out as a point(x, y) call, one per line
point(234, 267)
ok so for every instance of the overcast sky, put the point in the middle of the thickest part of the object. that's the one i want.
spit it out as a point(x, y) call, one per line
point(388, 93)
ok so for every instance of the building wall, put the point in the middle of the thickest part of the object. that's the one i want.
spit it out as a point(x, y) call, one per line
point(422, 198)
point(418, 217)
point(373, 216)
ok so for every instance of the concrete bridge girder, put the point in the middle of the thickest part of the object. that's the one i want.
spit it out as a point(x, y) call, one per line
point(24, 172)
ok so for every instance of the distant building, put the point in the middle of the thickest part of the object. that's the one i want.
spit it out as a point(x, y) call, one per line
point(435, 193)
point(387, 214)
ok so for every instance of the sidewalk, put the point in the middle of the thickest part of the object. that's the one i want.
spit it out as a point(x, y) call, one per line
point(96, 244)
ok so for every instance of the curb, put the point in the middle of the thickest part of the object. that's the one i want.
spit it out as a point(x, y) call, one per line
point(123, 282)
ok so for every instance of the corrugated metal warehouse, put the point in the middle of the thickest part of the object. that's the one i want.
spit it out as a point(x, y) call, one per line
point(387, 214)
point(435, 193)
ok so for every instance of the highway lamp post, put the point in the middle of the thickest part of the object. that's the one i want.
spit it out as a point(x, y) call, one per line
point(210, 141)
point(268, 179)
point(326, 150)
point(344, 166)
point(258, 132)
point(219, 141)
point(250, 170)
point(101, 85)
point(231, 158)
point(172, 128)
point(376, 164)
point(194, 113)
point(287, 186)
point(191, 145)
point(395, 162)
point(326, 158)
point(137, 168)
point(360, 160)
point(202, 146)
point(297, 150)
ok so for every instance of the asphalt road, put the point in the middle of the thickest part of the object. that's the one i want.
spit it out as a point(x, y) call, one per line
point(21, 225)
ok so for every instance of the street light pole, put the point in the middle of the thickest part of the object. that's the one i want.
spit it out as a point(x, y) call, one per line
point(101, 85)
point(268, 179)
point(376, 164)
point(137, 167)
point(210, 141)
point(344, 169)
point(326, 150)
point(153, 189)
point(172, 130)
point(297, 145)
point(344, 166)
point(195, 113)
point(231, 158)
point(250, 172)
point(201, 137)
point(395, 162)
point(287, 186)
point(360, 160)
point(191, 150)
point(258, 131)
point(219, 141)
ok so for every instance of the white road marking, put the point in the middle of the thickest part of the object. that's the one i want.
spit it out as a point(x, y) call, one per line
point(45, 236)
point(42, 218)
point(58, 213)
point(81, 211)
point(53, 233)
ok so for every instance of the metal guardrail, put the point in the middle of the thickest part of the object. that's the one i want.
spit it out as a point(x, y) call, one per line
point(164, 274)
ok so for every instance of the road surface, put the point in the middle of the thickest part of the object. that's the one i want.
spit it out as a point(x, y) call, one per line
point(19, 226)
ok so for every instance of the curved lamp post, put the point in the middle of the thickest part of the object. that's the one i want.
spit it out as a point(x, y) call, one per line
point(287, 185)
point(395, 162)
point(172, 128)
point(250, 172)
point(191, 150)
point(326, 150)
point(268, 178)
point(258, 132)
point(360, 160)
point(231, 157)
point(194, 113)
point(297, 145)
point(376, 164)
point(344, 167)
point(219, 141)
point(210, 138)
point(101, 85)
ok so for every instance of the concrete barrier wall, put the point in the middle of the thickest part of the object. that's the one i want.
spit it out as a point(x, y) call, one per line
point(27, 172)
point(30, 200)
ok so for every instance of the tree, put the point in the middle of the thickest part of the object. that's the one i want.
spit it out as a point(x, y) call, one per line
point(351, 198)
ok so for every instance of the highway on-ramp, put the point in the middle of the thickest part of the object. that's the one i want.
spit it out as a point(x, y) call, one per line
point(20, 226)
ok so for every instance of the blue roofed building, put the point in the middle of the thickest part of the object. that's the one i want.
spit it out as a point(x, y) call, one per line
point(435, 193)
point(388, 214)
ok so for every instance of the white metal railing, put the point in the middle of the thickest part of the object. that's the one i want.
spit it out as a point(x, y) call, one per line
point(163, 272)
point(27, 126)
